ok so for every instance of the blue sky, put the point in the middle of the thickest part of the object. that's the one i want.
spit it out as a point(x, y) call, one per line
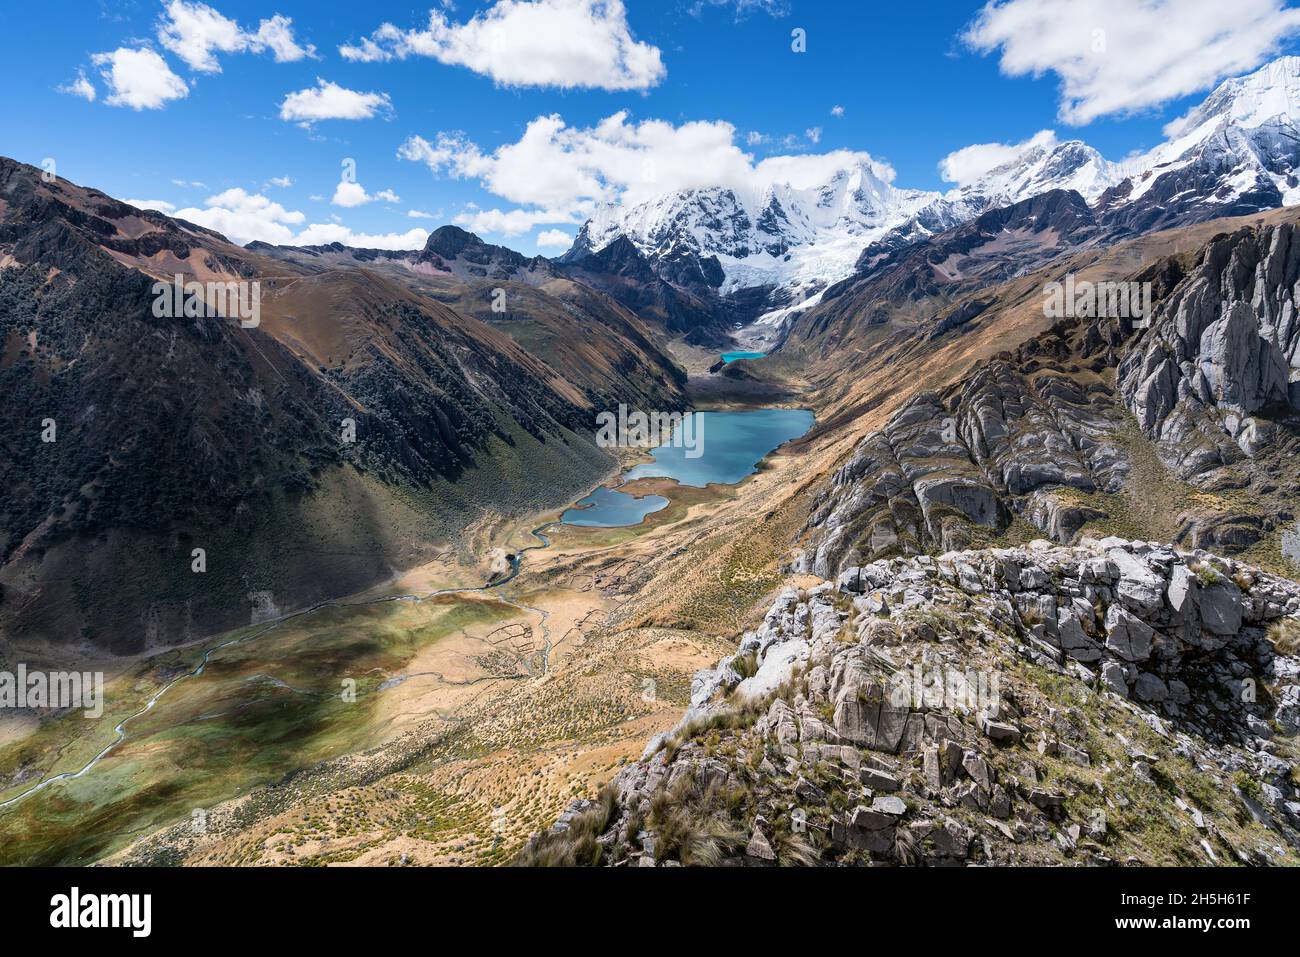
point(912, 81)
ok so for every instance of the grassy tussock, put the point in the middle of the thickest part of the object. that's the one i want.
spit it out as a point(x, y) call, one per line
point(1285, 635)
point(576, 846)
point(697, 825)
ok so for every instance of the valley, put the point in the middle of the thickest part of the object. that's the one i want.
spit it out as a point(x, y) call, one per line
point(431, 657)
point(370, 584)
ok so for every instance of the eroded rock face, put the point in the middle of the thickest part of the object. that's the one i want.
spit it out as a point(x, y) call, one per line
point(934, 699)
point(1212, 383)
point(1006, 441)
point(1220, 363)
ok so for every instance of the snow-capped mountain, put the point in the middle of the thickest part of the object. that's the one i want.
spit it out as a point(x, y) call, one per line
point(1236, 153)
point(783, 236)
point(1239, 151)
point(1070, 165)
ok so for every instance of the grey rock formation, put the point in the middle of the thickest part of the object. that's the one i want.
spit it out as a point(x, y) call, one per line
point(1207, 386)
point(927, 740)
point(1214, 374)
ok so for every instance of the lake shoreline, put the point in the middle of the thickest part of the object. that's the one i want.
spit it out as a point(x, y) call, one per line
point(742, 439)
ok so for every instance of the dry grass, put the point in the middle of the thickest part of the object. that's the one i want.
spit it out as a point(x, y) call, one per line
point(695, 825)
point(1285, 635)
point(576, 846)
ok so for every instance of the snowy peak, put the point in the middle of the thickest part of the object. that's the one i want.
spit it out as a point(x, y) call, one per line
point(1236, 153)
point(1248, 102)
point(1072, 165)
point(798, 236)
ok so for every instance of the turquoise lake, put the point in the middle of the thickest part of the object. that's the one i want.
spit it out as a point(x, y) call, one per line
point(733, 356)
point(610, 508)
point(714, 448)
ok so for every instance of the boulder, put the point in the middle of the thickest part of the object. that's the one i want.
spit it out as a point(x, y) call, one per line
point(1139, 587)
point(1112, 676)
point(1149, 687)
point(1128, 636)
point(759, 846)
point(1221, 608)
point(999, 731)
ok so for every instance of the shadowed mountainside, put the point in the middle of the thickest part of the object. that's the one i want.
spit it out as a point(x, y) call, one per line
point(173, 434)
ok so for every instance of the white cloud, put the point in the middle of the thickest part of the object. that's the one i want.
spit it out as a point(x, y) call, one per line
point(554, 239)
point(195, 32)
point(276, 35)
point(421, 214)
point(837, 111)
point(319, 234)
point(80, 87)
point(284, 182)
point(559, 43)
point(139, 79)
point(329, 101)
point(560, 174)
point(1120, 56)
point(511, 222)
point(350, 194)
point(970, 163)
point(244, 217)
point(814, 135)
point(161, 205)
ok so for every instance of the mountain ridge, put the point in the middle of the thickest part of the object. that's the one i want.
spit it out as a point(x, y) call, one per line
point(1237, 153)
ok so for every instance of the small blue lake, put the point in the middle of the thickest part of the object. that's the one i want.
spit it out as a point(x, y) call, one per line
point(610, 508)
point(709, 448)
point(733, 356)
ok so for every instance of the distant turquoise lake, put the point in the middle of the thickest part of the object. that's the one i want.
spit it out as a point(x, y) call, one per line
point(714, 448)
point(733, 356)
point(610, 508)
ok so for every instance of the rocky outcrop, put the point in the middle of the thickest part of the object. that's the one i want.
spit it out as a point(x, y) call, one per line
point(1023, 427)
point(1217, 374)
point(1206, 388)
point(1112, 702)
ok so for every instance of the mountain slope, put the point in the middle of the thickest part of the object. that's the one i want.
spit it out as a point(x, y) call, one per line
point(1027, 706)
point(358, 426)
point(599, 346)
point(1186, 429)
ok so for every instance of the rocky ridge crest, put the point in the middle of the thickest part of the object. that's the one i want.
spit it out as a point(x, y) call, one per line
point(1114, 702)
